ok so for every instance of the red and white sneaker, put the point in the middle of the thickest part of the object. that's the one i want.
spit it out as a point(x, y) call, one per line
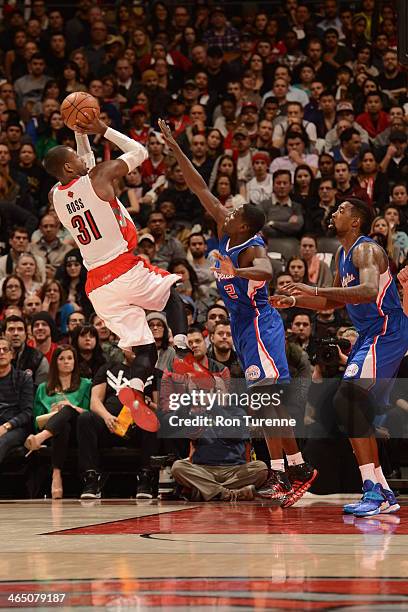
point(142, 415)
point(301, 478)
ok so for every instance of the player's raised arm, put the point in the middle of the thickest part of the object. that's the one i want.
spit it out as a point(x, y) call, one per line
point(254, 264)
point(193, 179)
point(134, 153)
point(84, 150)
point(403, 279)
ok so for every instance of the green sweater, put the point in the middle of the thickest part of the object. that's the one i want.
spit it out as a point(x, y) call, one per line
point(80, 397)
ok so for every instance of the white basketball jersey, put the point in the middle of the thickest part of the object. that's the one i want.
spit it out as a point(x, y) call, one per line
point(102, 230)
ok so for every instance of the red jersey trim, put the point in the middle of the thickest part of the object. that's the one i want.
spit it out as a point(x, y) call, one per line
point(105, 274)
point(62, 187)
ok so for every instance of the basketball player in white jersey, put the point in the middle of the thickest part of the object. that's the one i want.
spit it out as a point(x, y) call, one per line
point(120, 284)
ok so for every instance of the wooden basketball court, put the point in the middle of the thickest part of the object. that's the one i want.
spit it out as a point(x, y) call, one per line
point(152, 555)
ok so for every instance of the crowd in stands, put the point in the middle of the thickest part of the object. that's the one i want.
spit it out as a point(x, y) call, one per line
point(293, 106)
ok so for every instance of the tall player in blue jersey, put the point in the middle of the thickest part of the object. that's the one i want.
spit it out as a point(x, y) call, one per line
point(242, 272)
point(364, 284)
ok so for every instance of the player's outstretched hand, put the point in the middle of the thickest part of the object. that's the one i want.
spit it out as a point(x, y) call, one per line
point(167, 135)
point(93, 126)
point(403, 276)
point(298, 289)
point(282, 301)
point(226, 266)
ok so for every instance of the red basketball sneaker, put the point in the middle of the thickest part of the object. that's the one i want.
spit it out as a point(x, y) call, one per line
point(142, 415)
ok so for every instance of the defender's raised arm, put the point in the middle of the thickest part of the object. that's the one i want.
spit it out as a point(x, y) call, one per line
point(193, 179)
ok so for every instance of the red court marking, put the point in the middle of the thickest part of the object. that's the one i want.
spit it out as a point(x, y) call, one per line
point(250, 519)
point(257, 593)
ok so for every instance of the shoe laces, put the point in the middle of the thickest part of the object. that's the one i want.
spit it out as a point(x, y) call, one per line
point(233, 495)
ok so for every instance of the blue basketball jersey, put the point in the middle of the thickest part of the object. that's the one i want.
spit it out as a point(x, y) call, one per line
point(241, 296)
point(257, 328)
point(369, 316)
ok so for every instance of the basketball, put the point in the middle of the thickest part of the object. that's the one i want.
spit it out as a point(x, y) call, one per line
point(79, 105)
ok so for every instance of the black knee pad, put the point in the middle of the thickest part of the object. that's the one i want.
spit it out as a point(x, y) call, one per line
point(145, 360)
point(354, 410)
point(175, 313)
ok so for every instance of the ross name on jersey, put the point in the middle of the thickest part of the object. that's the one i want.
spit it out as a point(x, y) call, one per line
point(346, 280)
point(74, 206)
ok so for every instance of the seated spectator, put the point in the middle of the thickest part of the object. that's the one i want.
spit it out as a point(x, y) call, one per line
point(44, 331)
point(107, 340)
point(349, 149)
point(221, 34)
point(19, 243)
point(374, 120)
point(295, 146)
point(393, 217)
point(49, 246)
point(203, 472)
point(12, 293)
point(326, 114)
point(74, 320)
point(346, 185)
point(326, 165)
point(72, 276)
point(317, 218)
point(225, 165)
point(395, 162)
point(372, 180)
point(37, 179)
point(25, 357)
point(63, 397)
point(318, 272)
point(54, 302)
point(241, 144)
point(51, 136)
point(301, 328)
point(344, 112)
point(215, 143)
point(294, 114)
point(381, 226)
point(166, 247)
point(197, 248)
point(158, 324)
point(284, 216)
point(96, 429)
point(221, 348)
point(17, 396)
point(399, 197)
point(32, 305)
point(297, 268)
point(154, 166)
point(29, 87)
point(260, 187)
point(304, 188)
point(27, 270)
point(85, 340)
point(397, 124)
point(199, 156)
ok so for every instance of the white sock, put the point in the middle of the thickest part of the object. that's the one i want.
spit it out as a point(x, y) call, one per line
point(295, 459)
point(381, 478)
point(278, 464)
point(368, 472)
point(180, 340)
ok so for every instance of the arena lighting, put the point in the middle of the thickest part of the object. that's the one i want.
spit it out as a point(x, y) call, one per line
point(402, 12)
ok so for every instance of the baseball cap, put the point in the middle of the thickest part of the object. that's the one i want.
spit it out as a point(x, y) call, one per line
point(248, 105)
point(398, 135)
point(241, 130)
point(157, 315)
point(138, 108)
point(148, 237)
point(246, 36)
point(261, 155)
point(112, 40)
point(190, 83)
point(344, 106)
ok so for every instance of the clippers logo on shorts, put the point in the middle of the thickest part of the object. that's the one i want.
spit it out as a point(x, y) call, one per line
point(252, 372)
point(351, 370)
